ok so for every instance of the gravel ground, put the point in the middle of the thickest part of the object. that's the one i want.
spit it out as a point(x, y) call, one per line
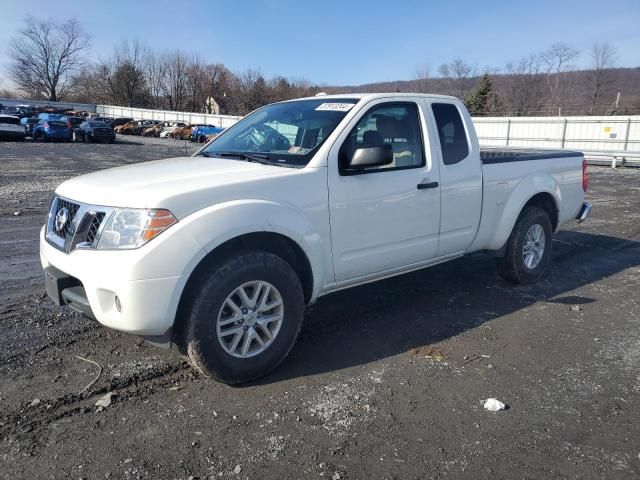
point(387, 381)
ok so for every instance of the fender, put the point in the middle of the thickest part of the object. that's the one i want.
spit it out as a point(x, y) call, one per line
point(528, 187)
point(215, 225)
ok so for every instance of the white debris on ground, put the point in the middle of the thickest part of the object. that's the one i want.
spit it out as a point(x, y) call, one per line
point(493, 405)
point(105, 401)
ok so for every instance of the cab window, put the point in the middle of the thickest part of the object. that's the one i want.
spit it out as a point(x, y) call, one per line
point(396, 124)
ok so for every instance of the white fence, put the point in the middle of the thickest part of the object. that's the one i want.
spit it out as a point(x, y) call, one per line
point(222, 121)
point(619, 134)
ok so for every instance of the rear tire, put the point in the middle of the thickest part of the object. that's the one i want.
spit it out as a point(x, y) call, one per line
point(212, 352)
point(528, 248)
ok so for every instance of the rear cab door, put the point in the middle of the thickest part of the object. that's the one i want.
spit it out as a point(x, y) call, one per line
point(458, 153)
point(381, 219)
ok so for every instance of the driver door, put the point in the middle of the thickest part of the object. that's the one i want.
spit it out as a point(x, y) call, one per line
point(383, 219)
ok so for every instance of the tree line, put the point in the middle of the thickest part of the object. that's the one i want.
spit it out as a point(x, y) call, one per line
point(48, 60)
point(545, 82)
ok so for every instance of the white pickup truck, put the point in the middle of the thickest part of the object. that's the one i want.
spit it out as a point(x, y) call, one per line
point(220, 252)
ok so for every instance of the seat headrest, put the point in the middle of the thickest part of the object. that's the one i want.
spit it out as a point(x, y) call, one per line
point(391, 127)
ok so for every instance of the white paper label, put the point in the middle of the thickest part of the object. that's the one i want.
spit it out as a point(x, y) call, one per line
point(335, 107)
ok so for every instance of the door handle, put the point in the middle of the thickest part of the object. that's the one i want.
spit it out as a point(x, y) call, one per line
point(422, 186)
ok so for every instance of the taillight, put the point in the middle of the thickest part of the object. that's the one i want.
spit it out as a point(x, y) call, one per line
point(46, 125)
point(585, 176)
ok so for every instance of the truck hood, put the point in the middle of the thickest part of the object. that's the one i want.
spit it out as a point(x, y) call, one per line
point(182, 184)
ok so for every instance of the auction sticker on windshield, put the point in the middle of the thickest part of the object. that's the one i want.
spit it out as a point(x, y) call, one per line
point(335, 107)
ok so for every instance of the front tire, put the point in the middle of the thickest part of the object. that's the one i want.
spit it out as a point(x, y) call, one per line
point(528, 248)
point(244, 317)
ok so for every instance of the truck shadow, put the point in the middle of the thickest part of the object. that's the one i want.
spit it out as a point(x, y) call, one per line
point(391, 317)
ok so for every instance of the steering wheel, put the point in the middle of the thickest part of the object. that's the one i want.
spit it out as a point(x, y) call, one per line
point(262, 138)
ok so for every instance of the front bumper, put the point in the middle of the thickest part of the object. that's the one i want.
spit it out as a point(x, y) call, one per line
point(132, 291)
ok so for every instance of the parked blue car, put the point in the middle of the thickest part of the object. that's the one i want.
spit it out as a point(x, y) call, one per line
point(47, 130)
point(50, 116)
point(200, 133)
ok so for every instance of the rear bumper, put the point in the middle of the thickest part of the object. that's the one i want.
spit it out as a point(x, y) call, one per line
point(584, 212)
point(58, 136)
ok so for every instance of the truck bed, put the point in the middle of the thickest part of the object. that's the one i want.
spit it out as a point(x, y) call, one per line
point(491, 155)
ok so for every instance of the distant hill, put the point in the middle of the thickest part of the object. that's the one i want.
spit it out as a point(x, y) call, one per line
point(578, 101)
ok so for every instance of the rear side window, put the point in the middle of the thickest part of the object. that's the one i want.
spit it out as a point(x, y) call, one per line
point(453, 138)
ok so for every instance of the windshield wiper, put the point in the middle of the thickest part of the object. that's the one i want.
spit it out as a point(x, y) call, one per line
point(257, 158)
point(248, 157)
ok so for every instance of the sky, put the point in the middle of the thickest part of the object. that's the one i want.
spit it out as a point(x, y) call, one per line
point(343, 42)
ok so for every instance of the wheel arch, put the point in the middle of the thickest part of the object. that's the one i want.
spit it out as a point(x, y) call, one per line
point(272, 242)
point(537, 190)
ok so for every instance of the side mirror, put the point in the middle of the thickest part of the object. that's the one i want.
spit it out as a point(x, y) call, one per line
point(367, 157)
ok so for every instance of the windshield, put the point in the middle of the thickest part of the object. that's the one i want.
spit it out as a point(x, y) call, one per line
point(288, 132)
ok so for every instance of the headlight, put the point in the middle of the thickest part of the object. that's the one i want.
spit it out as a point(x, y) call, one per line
point(128, 228)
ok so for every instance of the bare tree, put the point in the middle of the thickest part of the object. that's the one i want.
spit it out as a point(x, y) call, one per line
point(458, 74)
point(558, 61)
point(423, 76)
point(603, 58)
point(174, 84)
point(252, 91)
point(154, 71)
point(125, 78)
point(45, 55)
point(196, 83)
point(524, 85)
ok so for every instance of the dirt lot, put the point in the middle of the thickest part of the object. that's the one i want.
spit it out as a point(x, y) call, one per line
point(386, 381)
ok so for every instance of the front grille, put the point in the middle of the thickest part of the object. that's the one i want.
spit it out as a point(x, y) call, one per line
point(73, 209)
point(81, 228)
point(92, 233)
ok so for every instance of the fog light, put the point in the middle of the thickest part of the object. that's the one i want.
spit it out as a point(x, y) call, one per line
point(117, 302)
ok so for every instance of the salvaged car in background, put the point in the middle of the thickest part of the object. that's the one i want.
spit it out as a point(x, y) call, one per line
point(56, 130)
point(199, 134)
point(169, 128)
point(116, 122)
point(183, 133)
point(141, 125)
point(92, 131)
point(135, 127)
point(29, 123)
point(10, 128)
